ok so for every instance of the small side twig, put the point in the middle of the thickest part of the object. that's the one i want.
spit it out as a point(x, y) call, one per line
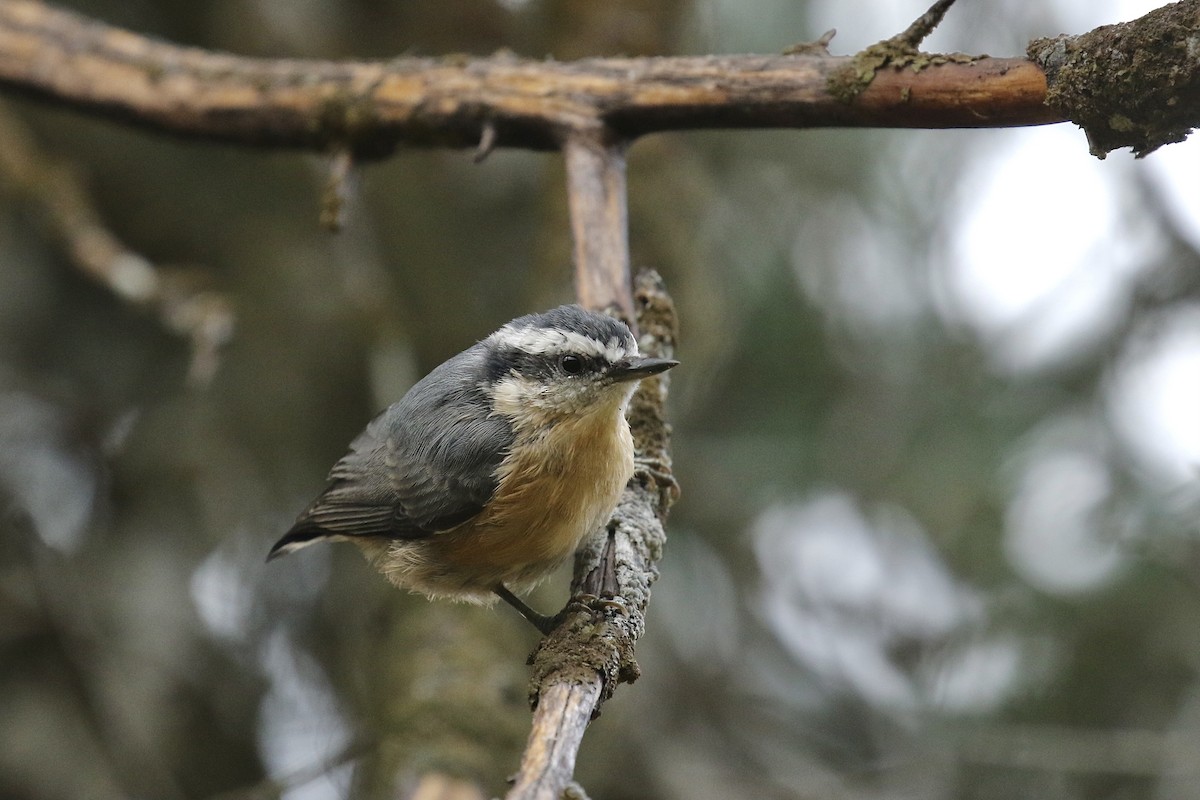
point(819, 47)
point(922, 26)
point(178, 297)
point(487, 142)
point(273, 787)
point(851, 82)
point(338, 188)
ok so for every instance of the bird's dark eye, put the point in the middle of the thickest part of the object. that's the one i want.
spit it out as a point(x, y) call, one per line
point(572, 365)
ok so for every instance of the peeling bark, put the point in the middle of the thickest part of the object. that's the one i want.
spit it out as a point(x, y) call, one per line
point(1134, 85)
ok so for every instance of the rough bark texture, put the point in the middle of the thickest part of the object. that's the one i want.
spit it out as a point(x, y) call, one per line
point(578, 666)
point(1135, 85)
point(370, 107)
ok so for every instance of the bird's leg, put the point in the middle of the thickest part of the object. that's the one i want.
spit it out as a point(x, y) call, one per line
point(542, 622)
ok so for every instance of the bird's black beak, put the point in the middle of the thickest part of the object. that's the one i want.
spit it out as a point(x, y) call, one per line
point(637, 368)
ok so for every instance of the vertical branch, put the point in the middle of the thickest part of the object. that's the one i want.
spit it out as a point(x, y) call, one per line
point(568, 687)
point(578, 666)
point(599, 223)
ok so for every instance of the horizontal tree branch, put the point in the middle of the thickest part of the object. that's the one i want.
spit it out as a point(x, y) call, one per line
point(370, 107)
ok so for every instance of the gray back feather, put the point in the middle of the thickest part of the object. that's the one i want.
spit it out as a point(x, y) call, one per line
point(424, 465)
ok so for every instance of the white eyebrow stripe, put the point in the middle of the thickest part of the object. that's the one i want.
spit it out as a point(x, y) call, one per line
point(551, 341)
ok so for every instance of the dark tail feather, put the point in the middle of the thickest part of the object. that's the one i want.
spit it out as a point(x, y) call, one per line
point(299, 536)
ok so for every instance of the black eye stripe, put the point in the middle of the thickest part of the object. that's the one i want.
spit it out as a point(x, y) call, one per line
point(542, 366)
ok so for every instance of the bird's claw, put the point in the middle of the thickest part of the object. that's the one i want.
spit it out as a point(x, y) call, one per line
point(598, 605)
point(646, 470)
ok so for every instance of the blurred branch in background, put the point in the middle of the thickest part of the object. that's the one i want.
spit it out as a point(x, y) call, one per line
point(1090, 752)
point(178, 296)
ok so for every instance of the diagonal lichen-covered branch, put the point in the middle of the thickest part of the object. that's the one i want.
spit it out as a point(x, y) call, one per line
point(580, 663)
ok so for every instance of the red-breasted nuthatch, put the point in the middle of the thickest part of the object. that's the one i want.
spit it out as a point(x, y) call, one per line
point(491, 469)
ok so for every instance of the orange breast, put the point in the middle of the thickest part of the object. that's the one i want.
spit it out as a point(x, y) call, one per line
point(551, 494)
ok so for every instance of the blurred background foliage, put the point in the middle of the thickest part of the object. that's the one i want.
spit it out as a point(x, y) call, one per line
point(936, 429)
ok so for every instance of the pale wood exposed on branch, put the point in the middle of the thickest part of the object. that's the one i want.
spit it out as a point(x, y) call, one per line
point(564, 710)
point(373, 106)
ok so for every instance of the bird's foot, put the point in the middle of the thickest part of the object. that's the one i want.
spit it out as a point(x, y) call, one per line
point(543, 622)
point(598, 605)
point(648, 470)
